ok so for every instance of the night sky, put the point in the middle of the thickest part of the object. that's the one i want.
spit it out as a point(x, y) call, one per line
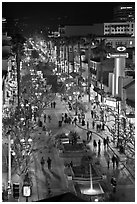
point(59, 13)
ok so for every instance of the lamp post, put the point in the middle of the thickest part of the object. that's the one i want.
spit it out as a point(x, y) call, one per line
point(76, 94)
point(9, 163)
point(118, 100)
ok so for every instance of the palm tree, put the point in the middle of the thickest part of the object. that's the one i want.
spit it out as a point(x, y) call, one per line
point(18, 40)
point(101, 51)
point(91, 42)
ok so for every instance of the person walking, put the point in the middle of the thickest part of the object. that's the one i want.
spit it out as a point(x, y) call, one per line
point(75, 120)
point(71, 164)
point(87, 135)
point(62, 116)
point(60, 123)
point(54, 104)
point(83, 122)
point(114, 183)
point(90, 135)
point(87, 124)
point(92, 113)
point(113, 161)
point(49, 118)
point(49, 163)
point(79, 118)
point(51, 104)
point(40, 123)
point(42, 161)
point(99, 146)
point(44, 118)
point(105, 143)
point(69, 120)
point(94, 145)
point(99, 127)
point(103, 126)
point(117, 162)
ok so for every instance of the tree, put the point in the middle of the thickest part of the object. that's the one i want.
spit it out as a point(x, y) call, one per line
point(18, 48)
point(35, 54)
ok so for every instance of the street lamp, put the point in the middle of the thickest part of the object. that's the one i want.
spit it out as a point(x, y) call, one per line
point(26, 190)
point(76, 94)
point(118, 99)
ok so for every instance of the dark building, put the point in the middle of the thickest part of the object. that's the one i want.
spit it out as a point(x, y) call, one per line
point(81, 30)
point(124, 13)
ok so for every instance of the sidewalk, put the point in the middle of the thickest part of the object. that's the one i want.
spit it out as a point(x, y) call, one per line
point(49, 183)
point(45, 183)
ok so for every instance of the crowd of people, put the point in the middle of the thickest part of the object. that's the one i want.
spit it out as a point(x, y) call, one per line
point(95, 122)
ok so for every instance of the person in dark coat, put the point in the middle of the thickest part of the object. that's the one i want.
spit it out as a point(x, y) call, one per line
point(75, 120)
point(87, 124)
point(60, 123)
point(103, 126)
point(62, 116)
point(69, 120)
point(87, 135)
point(49, 117)
point(113, 183)
point(92, 113)
point(100, 127)
point(99, 146)
point(44, 118)
point(42, 161)
point(71, 164)
point(49, 163)
point(105, 143)
point(94, 144)
point(54, 104)
point(40, 123)
point(114, 161)
point(83, 122)
point(117, 162)
point(79, 118)
point(51, 104)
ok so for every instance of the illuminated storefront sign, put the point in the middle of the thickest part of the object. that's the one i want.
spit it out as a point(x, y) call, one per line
point(121, 48)
point(117, 55)
point(26, 191)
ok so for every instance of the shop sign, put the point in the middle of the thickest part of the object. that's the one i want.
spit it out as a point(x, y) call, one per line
point(117, 55)
point(121, 48)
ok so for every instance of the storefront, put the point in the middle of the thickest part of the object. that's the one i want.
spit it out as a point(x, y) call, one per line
point(111, 102)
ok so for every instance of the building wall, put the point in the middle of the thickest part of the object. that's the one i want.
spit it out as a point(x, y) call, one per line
point(119, 28)
point(82, 30)
point(128, 42)
point(124, 13)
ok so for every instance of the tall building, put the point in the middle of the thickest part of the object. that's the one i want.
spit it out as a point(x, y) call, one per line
point(124, 13)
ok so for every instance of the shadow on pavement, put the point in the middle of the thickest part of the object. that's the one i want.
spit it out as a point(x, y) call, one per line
point(55, 175)
point(45, 173)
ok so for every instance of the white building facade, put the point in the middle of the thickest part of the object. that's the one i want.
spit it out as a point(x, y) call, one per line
point(119, 28)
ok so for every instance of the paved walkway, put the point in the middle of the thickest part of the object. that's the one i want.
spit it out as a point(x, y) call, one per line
point(48, 183)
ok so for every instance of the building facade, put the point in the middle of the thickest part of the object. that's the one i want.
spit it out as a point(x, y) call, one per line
point(124, 13)
point(125, 28)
